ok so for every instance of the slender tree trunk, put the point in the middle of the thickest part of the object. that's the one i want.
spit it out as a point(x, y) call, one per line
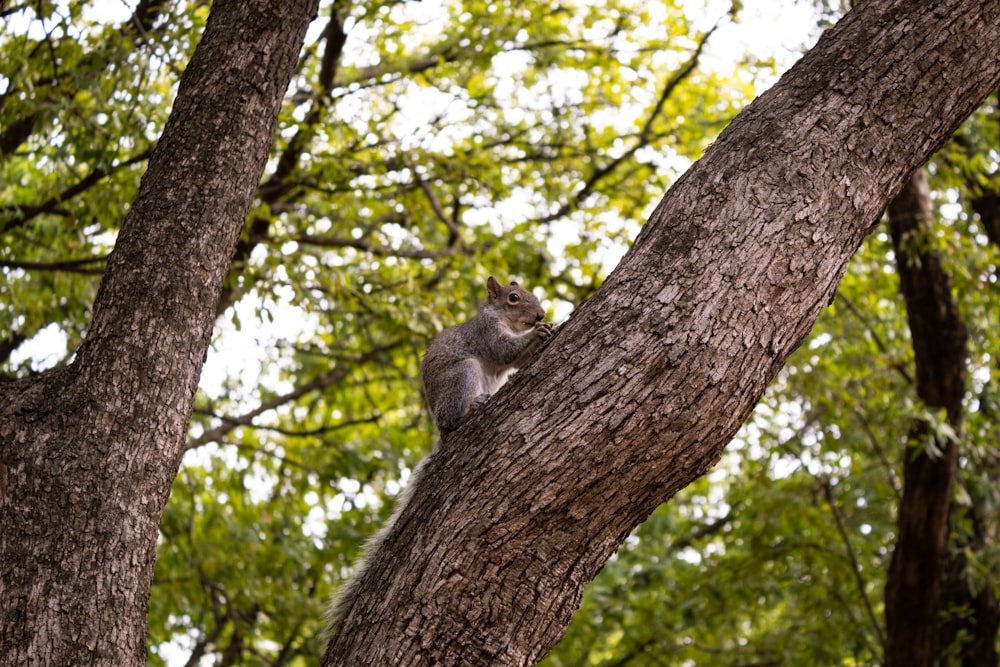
point(973, 616)
point(638, 394)
point(913, 585)
point(88, 452)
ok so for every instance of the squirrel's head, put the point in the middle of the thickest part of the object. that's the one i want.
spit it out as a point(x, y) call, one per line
point(520, 307)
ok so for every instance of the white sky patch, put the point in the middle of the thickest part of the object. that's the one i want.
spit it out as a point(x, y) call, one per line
point(45, 349)
point(765, 29)
point(108, 11)
point(242, 353)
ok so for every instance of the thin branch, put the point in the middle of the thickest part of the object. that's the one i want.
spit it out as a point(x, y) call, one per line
point(8, 11)
point(335, 375)
point(859, 580)
point(897, 366)
point(645, 134)
point(231, 423)
point(706, 529)
point(890, 468)
point(445, 54)
point(50, 205)
point(9, 344)
point(81, 266)
point(305, 433)
point(438, 209)
point(377, 249)
point(257, 449)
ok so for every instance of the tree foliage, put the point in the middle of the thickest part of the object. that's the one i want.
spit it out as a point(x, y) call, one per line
point(421, 147)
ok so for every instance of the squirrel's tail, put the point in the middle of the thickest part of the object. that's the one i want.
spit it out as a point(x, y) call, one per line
point(345, 596)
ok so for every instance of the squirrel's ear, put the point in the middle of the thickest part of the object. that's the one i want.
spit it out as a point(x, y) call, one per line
point(493, 287)
point(514, 283)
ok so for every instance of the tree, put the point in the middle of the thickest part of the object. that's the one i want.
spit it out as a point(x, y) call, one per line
point(512, 517)
point(89, 451)
point(916, 571)
point(969, 616)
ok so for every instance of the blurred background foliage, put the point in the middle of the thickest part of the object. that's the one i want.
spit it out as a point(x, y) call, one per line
point(424, 146)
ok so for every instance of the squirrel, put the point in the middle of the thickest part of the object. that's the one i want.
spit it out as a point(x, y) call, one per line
point(462, 367)
point(467, 363)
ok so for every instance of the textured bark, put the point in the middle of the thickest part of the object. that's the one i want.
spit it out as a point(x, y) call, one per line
point(916, 571)
point(638, 394)
point(88, 452)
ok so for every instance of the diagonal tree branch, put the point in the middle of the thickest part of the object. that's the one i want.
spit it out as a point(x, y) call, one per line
point(335, 375)
point(640, 391)
point(81, 266)
point(379, 250)
point(25, 214)
point(859, 580)
point(644, 137)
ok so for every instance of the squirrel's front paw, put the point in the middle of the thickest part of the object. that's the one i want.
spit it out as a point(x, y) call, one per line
point(543, 330)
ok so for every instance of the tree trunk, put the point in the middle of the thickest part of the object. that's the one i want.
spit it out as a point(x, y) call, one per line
point(88, 452)
point(913, 585)
point(638, 394)
point(973, 616)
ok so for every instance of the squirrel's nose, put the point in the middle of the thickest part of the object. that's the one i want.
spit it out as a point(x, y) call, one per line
point(539, 317)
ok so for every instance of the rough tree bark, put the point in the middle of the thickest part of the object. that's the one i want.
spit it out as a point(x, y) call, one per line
point(916, 571)
point(640, 391)
point(88, 452)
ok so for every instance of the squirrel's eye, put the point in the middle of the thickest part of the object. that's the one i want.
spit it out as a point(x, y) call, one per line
point(514, 298)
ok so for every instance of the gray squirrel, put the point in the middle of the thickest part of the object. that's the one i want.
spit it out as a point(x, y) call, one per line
point(469, 362)
point(462, 367)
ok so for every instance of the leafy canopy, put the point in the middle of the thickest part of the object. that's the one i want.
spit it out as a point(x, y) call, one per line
point(422, 147)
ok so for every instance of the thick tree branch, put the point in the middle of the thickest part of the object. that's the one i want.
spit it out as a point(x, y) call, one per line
point(639, 392)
